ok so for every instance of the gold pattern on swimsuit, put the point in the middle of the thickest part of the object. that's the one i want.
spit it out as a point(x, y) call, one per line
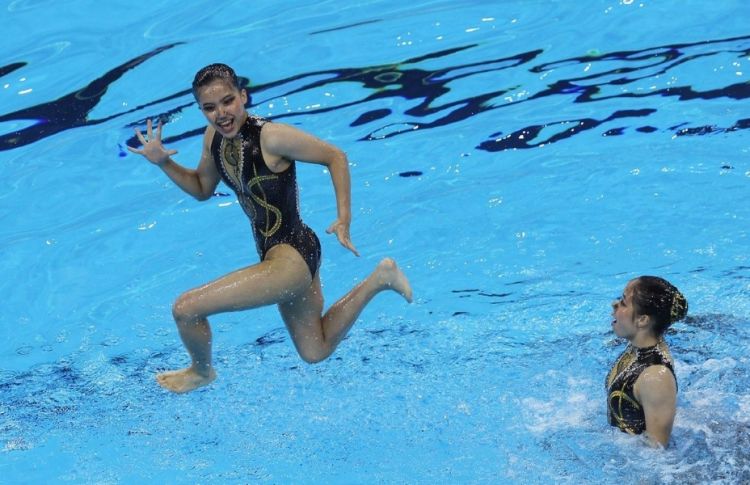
point(618, 415)
point(663, 349)
point(623, 364)
point(625, 360)
point(261, 201)
point(233, 155)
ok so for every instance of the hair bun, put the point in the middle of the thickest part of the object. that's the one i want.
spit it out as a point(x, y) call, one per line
point(679, 307)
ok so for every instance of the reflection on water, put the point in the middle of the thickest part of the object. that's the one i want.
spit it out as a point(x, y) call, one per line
point(608, 76)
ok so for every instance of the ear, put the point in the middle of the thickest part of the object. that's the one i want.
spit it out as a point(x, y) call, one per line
point(642, 321)
point(243, 96)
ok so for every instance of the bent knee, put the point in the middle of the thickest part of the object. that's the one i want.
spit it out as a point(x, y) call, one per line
point(314, 355)
point(184, 309)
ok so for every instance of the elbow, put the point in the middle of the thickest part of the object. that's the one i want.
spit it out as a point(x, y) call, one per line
point(342, 156)
point(204, 191)
point(339, 159)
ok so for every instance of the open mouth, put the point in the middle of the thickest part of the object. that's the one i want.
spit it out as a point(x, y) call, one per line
point(225, 125)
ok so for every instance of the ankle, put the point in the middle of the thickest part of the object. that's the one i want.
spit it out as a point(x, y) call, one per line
point(203, 370)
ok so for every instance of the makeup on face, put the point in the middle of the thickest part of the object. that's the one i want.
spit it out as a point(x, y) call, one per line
point(223, 106)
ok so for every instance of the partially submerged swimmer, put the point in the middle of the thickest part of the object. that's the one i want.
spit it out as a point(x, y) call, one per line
point(641, 386)
point(256, 158)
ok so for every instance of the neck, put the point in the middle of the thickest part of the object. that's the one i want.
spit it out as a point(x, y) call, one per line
point(645, 339)
point(245, 115)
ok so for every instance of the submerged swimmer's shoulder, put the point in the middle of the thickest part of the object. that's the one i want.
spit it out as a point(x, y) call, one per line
point(652, 381)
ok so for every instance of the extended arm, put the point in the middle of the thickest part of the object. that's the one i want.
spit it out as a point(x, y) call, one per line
point(656, 390)
point(282, 143)
point(200, 183)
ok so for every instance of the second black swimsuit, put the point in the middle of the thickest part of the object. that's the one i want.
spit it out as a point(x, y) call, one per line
point(270, 200)
point(624, 411)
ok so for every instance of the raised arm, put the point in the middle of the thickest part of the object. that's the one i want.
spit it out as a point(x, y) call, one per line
point(656, 390)
point(282, 143)
point(200, 183)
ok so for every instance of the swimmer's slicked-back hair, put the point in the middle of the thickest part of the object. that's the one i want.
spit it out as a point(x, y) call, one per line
point(659, 299)
point(214, 72)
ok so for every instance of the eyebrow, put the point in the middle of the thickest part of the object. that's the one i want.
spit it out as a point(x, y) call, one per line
point(231, 95)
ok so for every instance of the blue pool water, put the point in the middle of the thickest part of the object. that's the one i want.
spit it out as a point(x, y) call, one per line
point(520, 159)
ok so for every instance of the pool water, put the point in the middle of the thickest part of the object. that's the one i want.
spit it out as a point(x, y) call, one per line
point(521, 160)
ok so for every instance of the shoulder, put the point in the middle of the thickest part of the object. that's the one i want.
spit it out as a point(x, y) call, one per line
point(657, 373)
point(208, 137)
point(282, 139)
point(274, 133)
point(655, 383)
point(207, 163)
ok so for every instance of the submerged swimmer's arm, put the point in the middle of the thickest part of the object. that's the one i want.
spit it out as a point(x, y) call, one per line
point(281, 143)
point(656, 390)
point(199, 183)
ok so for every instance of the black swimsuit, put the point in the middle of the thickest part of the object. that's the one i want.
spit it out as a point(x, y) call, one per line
point(624, 411)
point(270, 200)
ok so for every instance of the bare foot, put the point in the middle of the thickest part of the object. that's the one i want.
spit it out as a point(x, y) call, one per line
point(390, 275)
point(184, 380)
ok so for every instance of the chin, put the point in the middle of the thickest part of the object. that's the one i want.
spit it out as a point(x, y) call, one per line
point(230, 134)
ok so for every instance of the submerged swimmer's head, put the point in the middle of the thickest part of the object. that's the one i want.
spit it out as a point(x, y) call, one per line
point(215, 72)
point(660, 300)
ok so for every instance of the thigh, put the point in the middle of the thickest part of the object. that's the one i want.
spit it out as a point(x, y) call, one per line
point(302, 314)
point(281, 277)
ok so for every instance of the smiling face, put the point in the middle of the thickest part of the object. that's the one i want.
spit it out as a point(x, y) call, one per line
point(223, 105)
point(624, 322)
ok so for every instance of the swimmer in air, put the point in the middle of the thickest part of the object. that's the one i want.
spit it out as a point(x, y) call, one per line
point(256, 158)
point(641, 386)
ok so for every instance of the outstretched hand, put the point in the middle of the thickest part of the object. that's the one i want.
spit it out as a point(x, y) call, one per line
point(341, 229)
point(152, 149)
